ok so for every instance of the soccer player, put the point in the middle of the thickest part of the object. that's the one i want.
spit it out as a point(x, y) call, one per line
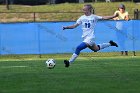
point(88, 21)
point(122, 15)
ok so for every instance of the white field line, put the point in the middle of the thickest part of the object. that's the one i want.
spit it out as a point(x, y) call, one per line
point(13, 66)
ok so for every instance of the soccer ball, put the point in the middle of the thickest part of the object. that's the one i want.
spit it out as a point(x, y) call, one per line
point(50, 63)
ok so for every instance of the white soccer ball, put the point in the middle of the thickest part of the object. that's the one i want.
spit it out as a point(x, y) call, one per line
point(50, 63)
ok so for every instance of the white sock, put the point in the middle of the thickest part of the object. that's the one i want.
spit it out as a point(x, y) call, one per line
point(104, 45)
point(73, 57)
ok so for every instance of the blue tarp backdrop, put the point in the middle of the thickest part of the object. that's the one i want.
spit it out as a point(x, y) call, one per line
point(48, 37)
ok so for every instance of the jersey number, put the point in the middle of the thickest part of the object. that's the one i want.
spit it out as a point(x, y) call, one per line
point(87, 25)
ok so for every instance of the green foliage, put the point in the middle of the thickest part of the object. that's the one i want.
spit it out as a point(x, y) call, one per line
point(31, 2)
point(102, 9)
point(26, 2)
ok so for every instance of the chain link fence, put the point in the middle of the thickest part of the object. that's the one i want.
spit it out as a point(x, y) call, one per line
point(38, 16)
point(49, 16)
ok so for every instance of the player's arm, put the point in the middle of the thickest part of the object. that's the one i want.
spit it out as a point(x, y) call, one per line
point(110, 17)
point(71, 27)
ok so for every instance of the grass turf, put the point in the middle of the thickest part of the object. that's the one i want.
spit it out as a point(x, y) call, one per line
point(86, 75)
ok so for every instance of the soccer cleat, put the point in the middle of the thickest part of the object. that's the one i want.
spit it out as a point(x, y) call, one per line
point(113, 43)
point(67, 63)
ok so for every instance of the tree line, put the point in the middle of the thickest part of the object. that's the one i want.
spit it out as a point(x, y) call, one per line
point(42, 2)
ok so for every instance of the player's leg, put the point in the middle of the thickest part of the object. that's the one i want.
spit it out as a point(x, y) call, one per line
point(94, 47)
point(80, 47)
point(98, 47)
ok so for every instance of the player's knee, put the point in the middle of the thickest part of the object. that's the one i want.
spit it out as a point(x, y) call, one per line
point(77, 52)
point(95, 50)
point(80, 47)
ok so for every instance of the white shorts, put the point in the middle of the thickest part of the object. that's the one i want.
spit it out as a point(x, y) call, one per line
point(90, 41)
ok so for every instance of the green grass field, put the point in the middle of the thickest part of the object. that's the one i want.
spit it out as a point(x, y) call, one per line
point(91, 73)
point(86, 75)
